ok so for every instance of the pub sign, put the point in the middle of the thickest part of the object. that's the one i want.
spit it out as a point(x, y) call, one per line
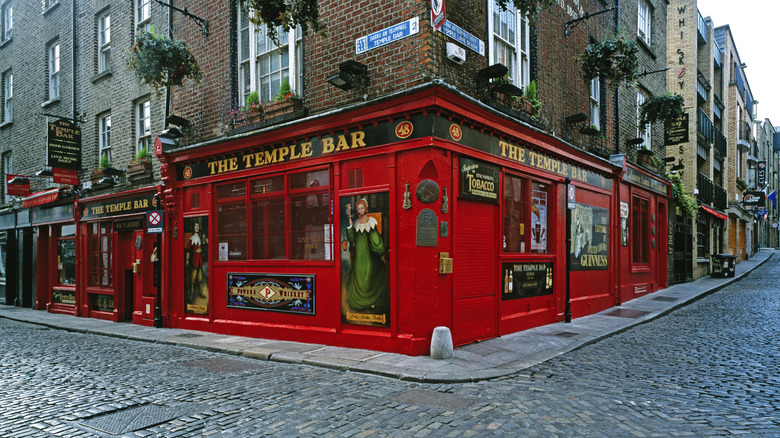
point(64, 140)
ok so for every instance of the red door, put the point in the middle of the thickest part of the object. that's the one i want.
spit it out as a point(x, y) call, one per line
point(475, 269)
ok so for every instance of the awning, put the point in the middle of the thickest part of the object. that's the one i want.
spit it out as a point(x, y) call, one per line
point(715, 213)
point(41, 198)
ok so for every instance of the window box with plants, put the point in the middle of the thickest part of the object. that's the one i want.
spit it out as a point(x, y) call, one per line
point(614, 59)
point(741, 184)
point(102, 170)
point(141, 166)
point(249, 114)
point(284, 103)
point(159, 61)
point(529, 104)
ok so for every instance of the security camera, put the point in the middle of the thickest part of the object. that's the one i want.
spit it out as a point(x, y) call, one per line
point(456, 53)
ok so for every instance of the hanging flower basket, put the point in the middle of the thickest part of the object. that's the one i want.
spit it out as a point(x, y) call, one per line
point(160, 62)
point(285, 13)
point(665, 107)
point(528, 8)
point(614, 59)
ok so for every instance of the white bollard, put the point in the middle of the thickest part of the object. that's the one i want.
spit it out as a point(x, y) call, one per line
point(441, 343)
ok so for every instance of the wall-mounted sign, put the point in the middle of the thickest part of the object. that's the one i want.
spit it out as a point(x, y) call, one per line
point(388, 35)
point(274, 292)
point(455, 32)
point(478, 181)
point(65, 176)
point(523, 280)
point(438, 14)
point(761, 173)
point(138, 204)
point(757, 199)
point(16, 189)
point(64, 141)
point(427, 228)
point(646, 181)
point(676, 131)
point(589, 238)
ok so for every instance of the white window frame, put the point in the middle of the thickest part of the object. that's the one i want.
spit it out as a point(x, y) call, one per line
point(143, 125)
point(104, 136)
point(8, 168)
point(251, 76)
point(8, 94)
point(53, 56)
point(104, 42)
point(644, 21)
point(595, 102)
point(510, 44)
point(47, 4)
point(8, 21)
point(640, 132)
point(143, 14)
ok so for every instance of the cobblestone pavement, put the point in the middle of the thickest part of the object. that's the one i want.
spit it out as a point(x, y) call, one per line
point(709, 369)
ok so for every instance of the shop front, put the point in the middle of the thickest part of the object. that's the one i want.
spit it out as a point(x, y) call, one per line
point(643, 230)
point(116, 276)
point(7, 258)
point(370, 228)
point(55, 229)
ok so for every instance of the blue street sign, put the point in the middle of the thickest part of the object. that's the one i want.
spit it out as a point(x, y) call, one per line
point(455, 32)
point(388, 35)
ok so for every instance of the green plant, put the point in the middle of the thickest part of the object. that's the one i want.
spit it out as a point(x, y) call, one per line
point(614, 59)
point(285, 92)
point(686, 202)
point(286, 14)
point(252, 102)
point(160, 61)
point(104, 162)
point(741, 184)
point(664, 107)
point(141, 156)
point(529, 8)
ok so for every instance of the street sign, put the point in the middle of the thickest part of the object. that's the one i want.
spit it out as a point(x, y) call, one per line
point(388, 35)
point(571, 197)
point(154, 221)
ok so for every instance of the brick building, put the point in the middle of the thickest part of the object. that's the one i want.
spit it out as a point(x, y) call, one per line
point(412, 179)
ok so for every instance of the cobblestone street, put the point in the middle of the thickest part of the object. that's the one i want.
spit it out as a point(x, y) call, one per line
point(709, 369)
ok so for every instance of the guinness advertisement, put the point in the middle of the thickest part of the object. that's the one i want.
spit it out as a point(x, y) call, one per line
point(676, 131)
point(64, 141)
point(276, 292)
point(478, 181)
point(589, 249)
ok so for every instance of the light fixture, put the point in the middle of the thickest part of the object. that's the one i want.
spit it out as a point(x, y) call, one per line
point(45, 173)
point(493, 71)
point(104, 183)
point(19, 180)
point(177, 120)
point(345, 78)
point(172, 133)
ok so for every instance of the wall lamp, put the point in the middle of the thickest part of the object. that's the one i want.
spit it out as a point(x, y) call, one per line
point(45, 173)
point(104, 183)
point(345, 78)
point(20, 180)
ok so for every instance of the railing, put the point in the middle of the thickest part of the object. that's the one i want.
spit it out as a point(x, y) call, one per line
point(720, 143)
point(705, 186)
point(720, 200)
point(702, 27)
point(705, 126)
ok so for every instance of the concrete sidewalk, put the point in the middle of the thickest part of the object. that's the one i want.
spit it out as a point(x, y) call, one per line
point(484, 360)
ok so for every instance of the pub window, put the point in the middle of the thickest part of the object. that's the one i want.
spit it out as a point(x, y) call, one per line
point(525, 215)
point(284, 216)
point(66, 255)
point(100, 248)
point(702, 236)
point(640, 230)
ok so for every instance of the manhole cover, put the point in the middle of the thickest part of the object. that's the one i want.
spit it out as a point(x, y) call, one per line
point(189, 335)
point(627, 313)
point(131, 419)
point(667, 299)
point(222, 365)
point(435, 399)
point(566, 334)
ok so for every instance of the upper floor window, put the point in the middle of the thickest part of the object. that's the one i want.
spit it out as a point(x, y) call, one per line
point(104, 129)
point(8, 95)
point(49, 3)
point(8, 169)
point(262, 65)
point(143, 126)
point(642, 131)
point(644, 21)
point(143, 13)
point(53, 54)
point(510, 42)
point(595, 103)
point(104, 42)
point(8, 21)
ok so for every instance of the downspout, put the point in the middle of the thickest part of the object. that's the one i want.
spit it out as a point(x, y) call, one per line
point(73, 61)
point(168, 88)
point(617, 89)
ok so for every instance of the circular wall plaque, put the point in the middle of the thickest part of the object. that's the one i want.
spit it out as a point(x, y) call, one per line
point(427, 191)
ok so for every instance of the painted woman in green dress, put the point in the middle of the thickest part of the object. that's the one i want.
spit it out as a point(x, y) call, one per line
point(366, 287)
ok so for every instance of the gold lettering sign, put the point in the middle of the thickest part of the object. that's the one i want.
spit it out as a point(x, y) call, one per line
point(269, 292)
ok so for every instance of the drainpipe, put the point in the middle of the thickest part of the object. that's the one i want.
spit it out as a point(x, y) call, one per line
point(617, 89)
point(73, 59)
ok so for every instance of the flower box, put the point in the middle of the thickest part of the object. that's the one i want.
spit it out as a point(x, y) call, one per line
point(247, 117)
point(139, 170)
point(281, 108)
